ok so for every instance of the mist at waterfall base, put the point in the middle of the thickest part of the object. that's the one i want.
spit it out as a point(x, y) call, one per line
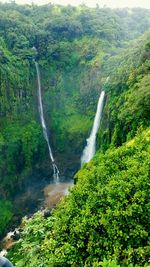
point(43, 124)
point(89, 150)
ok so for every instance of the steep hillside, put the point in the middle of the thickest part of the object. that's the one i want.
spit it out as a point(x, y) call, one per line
point(128, 94)
point(106, 215)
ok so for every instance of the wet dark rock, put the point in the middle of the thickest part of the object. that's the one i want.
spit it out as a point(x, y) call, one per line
point(16, 236)
point(47, 213)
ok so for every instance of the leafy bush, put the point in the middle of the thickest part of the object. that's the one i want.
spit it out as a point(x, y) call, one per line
point(106, 215)
point(5, 214)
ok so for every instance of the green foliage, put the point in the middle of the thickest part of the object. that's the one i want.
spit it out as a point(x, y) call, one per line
point(21, 148)
point(105, 216)
point(72, 45)
point(109, 263)
point(5, 214)
point(38, 228)
point(77, 48)
point(128, 89)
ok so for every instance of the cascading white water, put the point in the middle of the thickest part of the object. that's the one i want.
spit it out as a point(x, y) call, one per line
point(43, 124)
point(89, 150)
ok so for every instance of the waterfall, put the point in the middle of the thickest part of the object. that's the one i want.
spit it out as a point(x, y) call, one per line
point(90, 148)
point(43, 124)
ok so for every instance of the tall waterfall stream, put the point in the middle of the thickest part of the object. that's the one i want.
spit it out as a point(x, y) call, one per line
point(89, 150)
point(43, 124)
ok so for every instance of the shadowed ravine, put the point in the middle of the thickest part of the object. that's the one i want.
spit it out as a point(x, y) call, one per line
point(47, 198)
point(38, 194)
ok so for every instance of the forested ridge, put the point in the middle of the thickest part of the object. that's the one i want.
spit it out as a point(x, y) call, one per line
point(104, 220)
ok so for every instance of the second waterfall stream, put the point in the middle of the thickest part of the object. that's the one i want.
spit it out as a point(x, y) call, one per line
point(89, 150)
point(43, 124)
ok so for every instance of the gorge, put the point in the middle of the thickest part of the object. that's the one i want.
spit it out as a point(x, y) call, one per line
point(47, 110)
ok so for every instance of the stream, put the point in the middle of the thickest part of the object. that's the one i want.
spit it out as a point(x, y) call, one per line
point(37, 193)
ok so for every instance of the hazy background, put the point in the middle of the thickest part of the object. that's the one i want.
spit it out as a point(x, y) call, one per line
point(91, 3)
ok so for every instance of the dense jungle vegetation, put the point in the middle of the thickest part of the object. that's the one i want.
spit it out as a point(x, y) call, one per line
point(106, 216)
point(104, 220)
